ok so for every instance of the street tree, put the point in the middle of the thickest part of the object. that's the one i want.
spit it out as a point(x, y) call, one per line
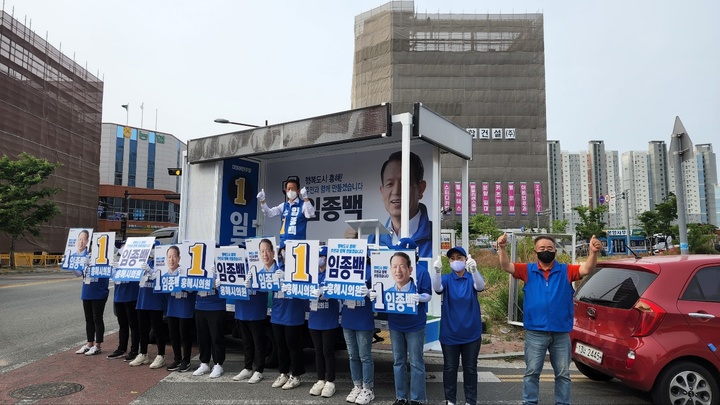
point(24, 203)
point(667, 214)
point(591, 222)
point(559, 226)
point(480, 225)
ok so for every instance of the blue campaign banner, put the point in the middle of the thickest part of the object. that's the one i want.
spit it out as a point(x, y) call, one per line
point(389, 277)
point(231, 271)
point(196, 264)
point(102, 254)
point(301, 268)
point(261, 263)
point(396, 302)
point(134, 254)
point(343, 290)
point(239, 205)
point(345, 272)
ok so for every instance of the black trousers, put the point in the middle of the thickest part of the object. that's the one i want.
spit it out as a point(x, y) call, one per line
point(150, 318)
point(290, 358)
point(127, 318)
point(253, 336)
point(210, 335)
point(324, 343)
point(181, 338)
point(94, 322)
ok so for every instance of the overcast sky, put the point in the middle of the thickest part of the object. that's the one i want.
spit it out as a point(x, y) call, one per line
point(616, 70)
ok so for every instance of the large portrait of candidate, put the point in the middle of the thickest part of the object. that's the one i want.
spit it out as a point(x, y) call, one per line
point(393, 279)
point(77, 249)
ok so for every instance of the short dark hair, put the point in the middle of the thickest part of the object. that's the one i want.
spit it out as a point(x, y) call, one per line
point(404, 256)
point(84, 231)
point(175, 248)
point(292, 179)
point(546, 237)
point(266, 240)
point(417, 170)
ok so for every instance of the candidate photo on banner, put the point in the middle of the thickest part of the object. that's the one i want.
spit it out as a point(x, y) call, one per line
point(77, 248)
point(134, 254)
point(393, 280)
point(230, 269)
point(261, 254)
point(167, 263)
point(102, 254)
point(301, 268)
point(197, 261)
point(345, 272)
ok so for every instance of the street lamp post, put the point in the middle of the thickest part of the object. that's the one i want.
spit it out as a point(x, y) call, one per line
point(225, 121)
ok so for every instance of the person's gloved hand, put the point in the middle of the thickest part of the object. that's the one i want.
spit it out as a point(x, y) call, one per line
point(303, 193)
point(318, 292)
point(363, 290)
point(144, 266)
point(279, 275)
point(248, 280)
point(438, 264)
point(86, 262)
point(372, 294)
point(412, 299)
point(217, 281)
point(471, 264)
point(261, 195)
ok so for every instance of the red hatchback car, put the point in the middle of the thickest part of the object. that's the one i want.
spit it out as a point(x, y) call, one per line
point(654, 324)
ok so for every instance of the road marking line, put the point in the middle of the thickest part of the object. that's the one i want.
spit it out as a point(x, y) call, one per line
point(36, 283)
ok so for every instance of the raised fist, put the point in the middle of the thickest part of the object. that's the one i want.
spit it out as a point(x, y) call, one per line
point(438, 265)
point(303, 193)
point(261, 195)
point(502, 241)
point(471, 264)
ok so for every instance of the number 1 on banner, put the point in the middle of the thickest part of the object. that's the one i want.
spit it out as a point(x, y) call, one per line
point(102, 245)
point(197, 258)
point(300, 253)
point(240, 196)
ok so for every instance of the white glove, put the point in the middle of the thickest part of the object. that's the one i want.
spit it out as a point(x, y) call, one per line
point(471, 265)
point(86, 262)
point(372, 294)
point(303, 193)
point(248, 280)
point(438, 265)
point(412, 299)
point(286, 288)
point(261, 195)
point(144, 266)
point(279, 275)
point(217, 281)
point(363, 290)
point(318, 292)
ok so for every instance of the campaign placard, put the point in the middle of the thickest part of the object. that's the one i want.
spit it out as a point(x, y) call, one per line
point(231, 269)
point(261, 254)
point(345, 272)
point(167, 263)
point(102, 254)
point(393, 281)
point(196, 258)
point(301, 268)
point(134, 254)
point(77, 248)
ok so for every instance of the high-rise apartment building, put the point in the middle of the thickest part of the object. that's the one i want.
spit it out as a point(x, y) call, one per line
point(658, 172)
point(485, 72)
point(573, 167)
point(51, 107)
point(707, 164)
point(555, 180)
point(636, 184)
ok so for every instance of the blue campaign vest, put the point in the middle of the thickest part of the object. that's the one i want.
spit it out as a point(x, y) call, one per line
point(126, 291)
point(413, 323)
point(361, 317)
point(98, 289)
point(183, 307)
point(548, 304)
point(210, 301)
point(150, 300)
point(254, 309)
point(327, 314)
point(461, 320)
point(294, 223)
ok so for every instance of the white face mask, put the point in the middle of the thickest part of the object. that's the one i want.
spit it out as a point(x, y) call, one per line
point(457, 266)
point(291, 194)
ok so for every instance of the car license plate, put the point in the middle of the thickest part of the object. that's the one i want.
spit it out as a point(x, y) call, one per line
point(588, 352)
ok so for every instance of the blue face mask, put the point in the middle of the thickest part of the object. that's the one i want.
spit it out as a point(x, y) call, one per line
point(457, 266)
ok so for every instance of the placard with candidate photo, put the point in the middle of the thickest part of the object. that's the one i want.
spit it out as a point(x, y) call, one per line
point(345, 271)
point(393, 280)
point(134, 254)
point(77, 249)
point(102, 254)
point(230, 268)
point(262, 263)
point(301, 268)
point(167, 263)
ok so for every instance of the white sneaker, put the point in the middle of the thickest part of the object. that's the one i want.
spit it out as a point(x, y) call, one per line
point(352, 396)
point(328, 390)
point(217, 371)
point(280, 381)
point(83, 349)
point(243, 375)
point(291, 383)
point(204, 368)
point(139, 360)
point(158, 362)
point(256, 378)
point(92, 351)
point(365, 396)
point(317, 388)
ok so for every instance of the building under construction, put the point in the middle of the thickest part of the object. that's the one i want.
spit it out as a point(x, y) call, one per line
point(486, 73)
point(50, 107)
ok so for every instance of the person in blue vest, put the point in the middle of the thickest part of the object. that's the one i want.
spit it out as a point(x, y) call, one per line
point(124, 303)
point(94, 295)
point(251, 318)
point(460, 322)
point(180, 313)
point(295, 212)
point(151, 307)
point(323, 323)
point(547, 312)
point(407, 331)
point(210, 327)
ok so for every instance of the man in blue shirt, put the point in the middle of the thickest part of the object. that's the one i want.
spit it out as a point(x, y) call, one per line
point(295, 212)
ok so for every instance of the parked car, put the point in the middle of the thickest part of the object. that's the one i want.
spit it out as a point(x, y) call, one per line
point(654, 324)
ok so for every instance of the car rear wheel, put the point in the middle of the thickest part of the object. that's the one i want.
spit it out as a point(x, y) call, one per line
point(591, 373)
point(686, 383)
